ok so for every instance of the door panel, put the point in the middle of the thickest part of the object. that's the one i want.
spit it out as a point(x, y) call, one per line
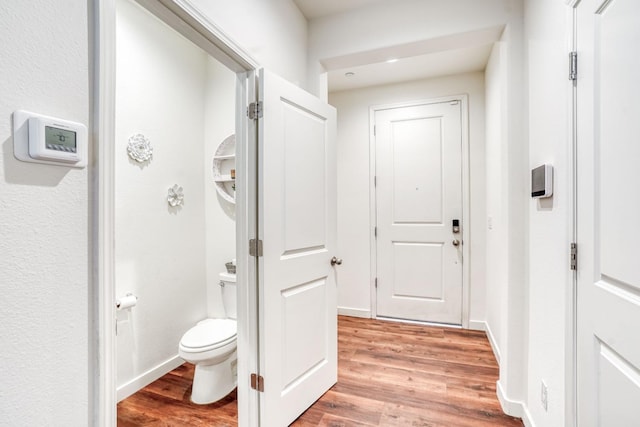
point(608, 276)
point(417, 270)
point(417, 170)
point(297, 211)
point(304, 180)
point(418, 194)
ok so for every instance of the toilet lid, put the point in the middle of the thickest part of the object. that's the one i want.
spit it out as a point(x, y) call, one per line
point(210, 332)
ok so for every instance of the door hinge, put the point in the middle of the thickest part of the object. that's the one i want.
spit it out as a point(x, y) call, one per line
point(255, 247)
point(574, 256)
point(573, 66)
point(375, 181)
point(374, 130)
point(375, 231)
point(254, 110)
point(257, 382)
point(376, 283)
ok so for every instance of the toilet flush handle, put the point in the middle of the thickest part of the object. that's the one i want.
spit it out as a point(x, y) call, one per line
point(335, 261)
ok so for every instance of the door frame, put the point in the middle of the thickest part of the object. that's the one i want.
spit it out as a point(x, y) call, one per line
point(188, 21)
point(464, 123)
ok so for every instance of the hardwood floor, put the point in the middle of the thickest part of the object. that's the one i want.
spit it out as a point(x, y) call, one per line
point(166, 403)
point(396, 374)
point(389, 374)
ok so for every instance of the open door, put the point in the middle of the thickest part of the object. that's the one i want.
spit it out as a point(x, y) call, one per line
point(297, 226)
point(608, 293)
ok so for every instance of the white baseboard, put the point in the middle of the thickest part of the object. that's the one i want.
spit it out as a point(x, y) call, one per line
point(492, 341)
point(477, 325)
point(354, 312)
point(526, 417)
point(513, 407)
point(148, 377)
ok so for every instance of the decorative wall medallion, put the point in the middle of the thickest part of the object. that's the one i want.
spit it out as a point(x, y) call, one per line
point(175, 196)
point(139, 148)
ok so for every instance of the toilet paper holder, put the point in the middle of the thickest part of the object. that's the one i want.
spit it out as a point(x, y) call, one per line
point(127, 301)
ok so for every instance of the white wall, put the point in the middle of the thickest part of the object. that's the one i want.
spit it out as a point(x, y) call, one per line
point(173, 93)
point(496, 173)
point(220, 223)
point(548, 27)
point(274, 32)
point(160, 251)
point(354, 226)
point(44, 230)
point(511, 263)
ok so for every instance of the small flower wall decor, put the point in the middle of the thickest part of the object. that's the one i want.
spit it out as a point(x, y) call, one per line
point(175, 196)
point(139, 148)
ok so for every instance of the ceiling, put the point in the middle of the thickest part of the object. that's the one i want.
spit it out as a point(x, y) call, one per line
point(431, 65)
point(317, 8)
point(453, 54)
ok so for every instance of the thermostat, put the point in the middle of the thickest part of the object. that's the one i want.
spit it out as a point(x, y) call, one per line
point(542, 181)
point(49, 140)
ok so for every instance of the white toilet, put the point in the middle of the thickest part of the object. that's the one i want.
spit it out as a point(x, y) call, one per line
point(211, 346)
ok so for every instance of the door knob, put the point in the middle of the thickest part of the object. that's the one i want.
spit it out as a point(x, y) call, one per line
point(335, 261)
point(456, 242)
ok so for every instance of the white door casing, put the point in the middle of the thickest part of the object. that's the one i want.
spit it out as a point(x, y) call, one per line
point(608, 293)
point(297, 223)
point(418, 195)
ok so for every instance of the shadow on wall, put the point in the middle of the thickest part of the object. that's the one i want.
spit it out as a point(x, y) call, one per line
point(545, 204)
point(228, 208)
point(19, 172)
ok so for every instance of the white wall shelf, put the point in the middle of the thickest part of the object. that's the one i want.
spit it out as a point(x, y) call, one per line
point(223, 178)
point(224, 160)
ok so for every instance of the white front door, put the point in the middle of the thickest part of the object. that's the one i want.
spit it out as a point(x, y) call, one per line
point(608, 306)
point(418, 196)
point(297, 224)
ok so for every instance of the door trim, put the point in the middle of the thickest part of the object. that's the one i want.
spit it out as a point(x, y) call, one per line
point(571, 361)
point(185, 19)
point(464, 123)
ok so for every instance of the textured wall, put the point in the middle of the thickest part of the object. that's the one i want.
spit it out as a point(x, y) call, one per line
point(44, 227)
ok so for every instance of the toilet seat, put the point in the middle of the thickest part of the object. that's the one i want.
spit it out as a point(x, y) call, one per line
point(209, 334)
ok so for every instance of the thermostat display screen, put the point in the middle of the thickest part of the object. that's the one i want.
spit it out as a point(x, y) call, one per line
point(59, 137)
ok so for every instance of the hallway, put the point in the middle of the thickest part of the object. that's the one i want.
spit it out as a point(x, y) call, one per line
point(389, 374)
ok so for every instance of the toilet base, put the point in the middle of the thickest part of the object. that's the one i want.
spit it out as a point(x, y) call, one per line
point(213, 382)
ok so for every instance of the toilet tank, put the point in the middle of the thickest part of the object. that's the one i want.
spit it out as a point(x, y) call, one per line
point(229, 294)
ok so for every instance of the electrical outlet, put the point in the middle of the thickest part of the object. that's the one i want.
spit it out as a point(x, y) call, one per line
point(543, 395)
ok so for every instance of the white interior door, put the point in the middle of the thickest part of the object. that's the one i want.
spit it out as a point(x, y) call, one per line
point(297, 223)
point(418, 195)
point(608, 213)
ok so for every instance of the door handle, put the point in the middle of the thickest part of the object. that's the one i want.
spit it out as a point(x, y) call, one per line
point(455, 242)
point(335, 261)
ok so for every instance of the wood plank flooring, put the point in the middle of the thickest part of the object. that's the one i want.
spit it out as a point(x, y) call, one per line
point(389, 374)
